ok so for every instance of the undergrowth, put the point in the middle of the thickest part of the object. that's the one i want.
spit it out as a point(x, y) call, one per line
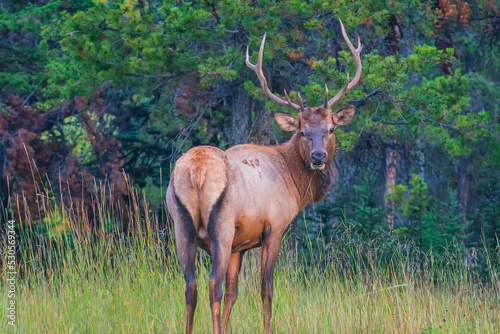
point(78, 274)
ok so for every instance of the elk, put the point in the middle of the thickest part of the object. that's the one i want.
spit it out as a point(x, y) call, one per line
point(227, 202)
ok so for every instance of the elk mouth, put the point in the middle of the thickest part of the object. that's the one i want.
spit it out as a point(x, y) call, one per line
point(317, 165)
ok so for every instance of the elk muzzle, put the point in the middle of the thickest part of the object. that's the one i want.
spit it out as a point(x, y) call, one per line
point(318, 159)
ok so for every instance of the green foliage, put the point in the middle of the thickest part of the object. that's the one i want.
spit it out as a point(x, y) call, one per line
point(437, 226)
point(358, 213)
point(453, 225)
point(369, 214)
point(21, 65)
point(149, 51)
point(154, 195)
point(24, 57)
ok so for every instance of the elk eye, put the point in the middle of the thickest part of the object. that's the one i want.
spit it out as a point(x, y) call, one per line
point(302, 134)
point(332, 129)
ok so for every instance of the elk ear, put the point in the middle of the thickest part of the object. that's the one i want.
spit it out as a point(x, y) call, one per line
point(344, 115)
point(287, 122)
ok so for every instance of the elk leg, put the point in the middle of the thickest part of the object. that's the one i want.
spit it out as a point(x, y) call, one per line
point(221, 253)
point(186, 251)
point(270, 251)
point(231, 286)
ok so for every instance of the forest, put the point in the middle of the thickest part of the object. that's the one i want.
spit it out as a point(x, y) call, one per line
point(99, 99)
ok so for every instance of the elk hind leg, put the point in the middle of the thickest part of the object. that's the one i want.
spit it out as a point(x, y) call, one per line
point(191, 291)
point(185, 235)
point(221, 233)
point(220, 260)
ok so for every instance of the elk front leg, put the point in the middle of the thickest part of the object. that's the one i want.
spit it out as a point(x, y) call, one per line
point(231, 286)
point(270, 250)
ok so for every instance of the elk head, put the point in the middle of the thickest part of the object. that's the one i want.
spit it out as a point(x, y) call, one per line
point(314, 125)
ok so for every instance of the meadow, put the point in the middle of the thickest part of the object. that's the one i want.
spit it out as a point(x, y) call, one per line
point(78, 278)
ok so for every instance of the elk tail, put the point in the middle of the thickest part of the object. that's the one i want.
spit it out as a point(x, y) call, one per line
point(200, 177)
point(197, 179)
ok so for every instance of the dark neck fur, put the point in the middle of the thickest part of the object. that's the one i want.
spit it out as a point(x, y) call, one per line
point(312, 185)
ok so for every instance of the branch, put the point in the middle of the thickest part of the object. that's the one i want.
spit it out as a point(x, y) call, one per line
point(27, 99)
point(376, 110)
point(362, 101)
point(53, 117)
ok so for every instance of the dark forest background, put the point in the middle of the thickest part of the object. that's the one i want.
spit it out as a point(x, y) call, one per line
point(113, 92)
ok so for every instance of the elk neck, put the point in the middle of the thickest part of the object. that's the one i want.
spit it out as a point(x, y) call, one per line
point(312, 185)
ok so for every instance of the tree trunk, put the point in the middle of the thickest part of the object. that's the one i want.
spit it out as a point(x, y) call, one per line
point(421, 160)
point(334, 191)
point(464, 187)
point(241, 120)
point(262, 124)
point(390, 164)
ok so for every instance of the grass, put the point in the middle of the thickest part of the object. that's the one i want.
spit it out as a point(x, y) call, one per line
point(77, 279)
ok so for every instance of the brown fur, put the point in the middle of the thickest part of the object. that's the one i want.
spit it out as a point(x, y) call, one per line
point(229, 202)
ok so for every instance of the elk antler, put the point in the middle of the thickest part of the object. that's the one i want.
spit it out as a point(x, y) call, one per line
point(348, 85)
point(263, 82)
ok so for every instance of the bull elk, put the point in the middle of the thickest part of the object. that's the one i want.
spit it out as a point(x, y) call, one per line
point(230, 202)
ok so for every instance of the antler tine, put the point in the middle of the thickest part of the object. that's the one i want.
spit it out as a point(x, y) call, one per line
point(290, 103)
point(287, 98)
point(326, 96)
point(360, 47)
point(346, 87)
point(263, 82)
point(301, 102)
point(357, 59)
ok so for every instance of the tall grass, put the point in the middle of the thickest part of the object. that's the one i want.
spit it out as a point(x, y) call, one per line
point(79, 277)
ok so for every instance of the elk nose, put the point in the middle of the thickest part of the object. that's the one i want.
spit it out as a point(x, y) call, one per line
point(318, 157)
